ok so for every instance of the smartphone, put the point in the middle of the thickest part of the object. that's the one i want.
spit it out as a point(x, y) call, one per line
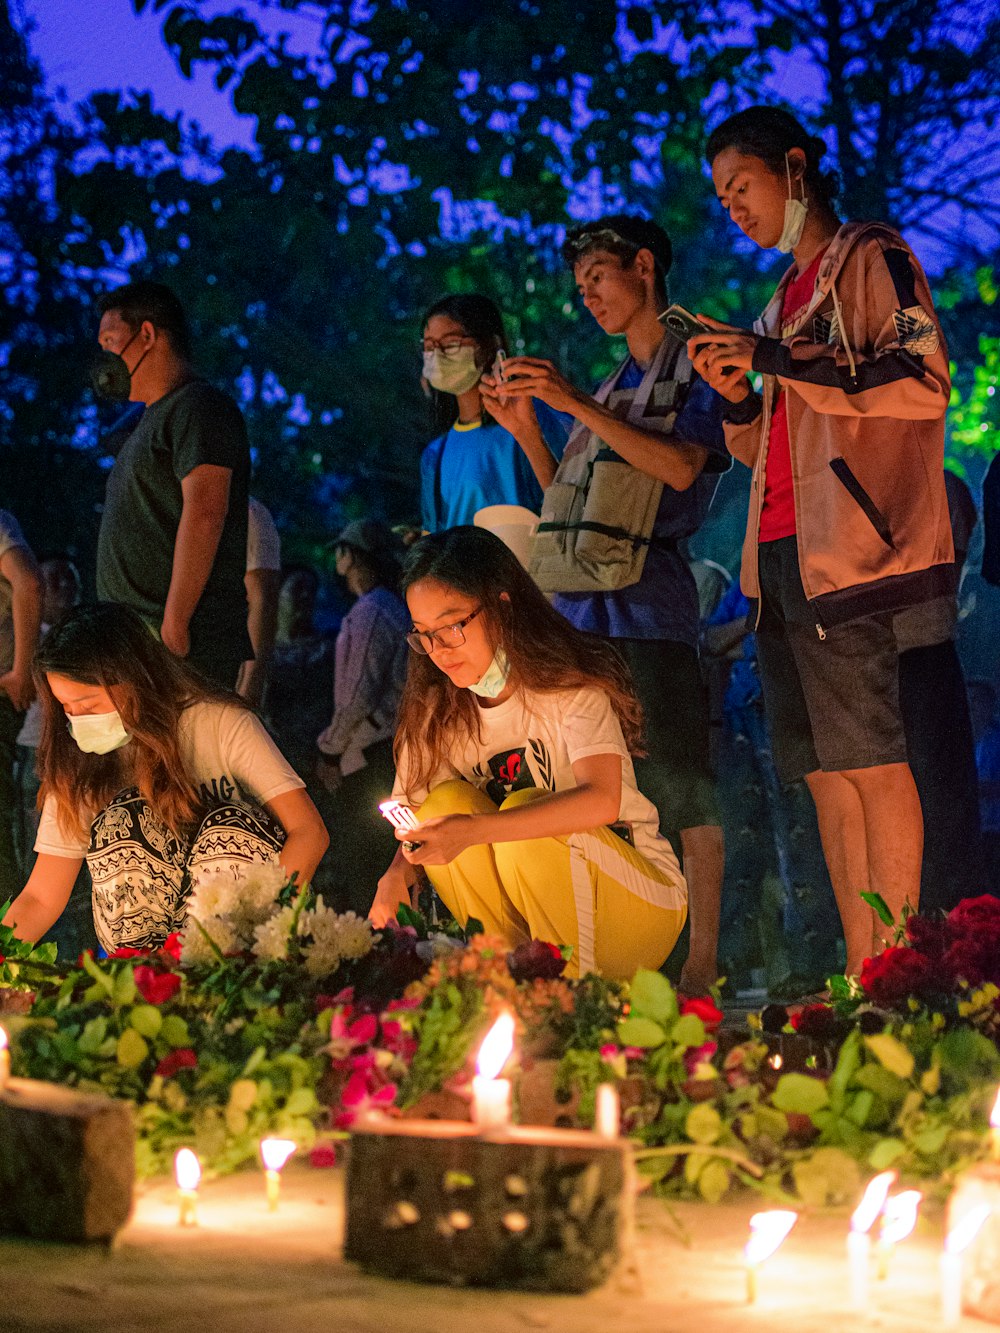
point(497, 371)
point(681, 323)
point(400, 816)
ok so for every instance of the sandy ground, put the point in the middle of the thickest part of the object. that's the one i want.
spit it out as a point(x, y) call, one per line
point(244, 1270)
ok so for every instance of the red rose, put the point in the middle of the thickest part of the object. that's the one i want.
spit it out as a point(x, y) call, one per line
point(172, 945)
point(817, 1022)
point(972, 914)
point(156, 987)
point(705, 1008)
point(184, 1058)
point(926, 934)
point(975, 959)
point(129, 953)
point(890, 978)
point(536, 959)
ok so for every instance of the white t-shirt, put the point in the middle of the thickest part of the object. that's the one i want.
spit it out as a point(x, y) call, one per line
point(227, 752)
point(534, 742)
point(263, 539)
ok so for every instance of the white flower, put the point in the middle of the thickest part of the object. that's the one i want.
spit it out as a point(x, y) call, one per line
point(335, 937)
point(271, 937)
point(195, 948)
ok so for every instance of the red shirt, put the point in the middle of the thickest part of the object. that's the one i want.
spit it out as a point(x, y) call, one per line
point(777, 518)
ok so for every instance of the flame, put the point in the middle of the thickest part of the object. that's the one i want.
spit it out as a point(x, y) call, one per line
point(863, 1217)
point(274, 1153)
point(767, 1231)
point(4, 1042)
point(900, 1216)
point(187, 1169)
point(497, 1046)
point(965, 1231)
point(995, 1113)
point(399, 815)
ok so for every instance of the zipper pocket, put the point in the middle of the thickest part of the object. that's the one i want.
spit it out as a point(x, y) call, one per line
point(864, 501)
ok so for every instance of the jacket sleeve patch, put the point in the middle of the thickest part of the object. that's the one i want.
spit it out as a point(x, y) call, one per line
point(916, 331)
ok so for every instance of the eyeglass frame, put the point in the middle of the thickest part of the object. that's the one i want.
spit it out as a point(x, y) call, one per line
point(585, 241)
point(415, 638)
point(448, 348)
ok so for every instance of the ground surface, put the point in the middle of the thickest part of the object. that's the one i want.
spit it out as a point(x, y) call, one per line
point(244, 1270)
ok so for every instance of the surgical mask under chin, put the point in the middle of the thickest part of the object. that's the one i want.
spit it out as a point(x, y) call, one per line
point(795, 216)
point(110, 376)
point(494, 678)
point(452, 374)
point(98, 733)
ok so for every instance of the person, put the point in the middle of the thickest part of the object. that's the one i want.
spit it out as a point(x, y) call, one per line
point(20, 616)
point(173, 534)
point(514, 747)
point(991, 522)
point(848, 518)
point(355, 749)
point(263, 585)
point(301, 676)
point(986, 733)
point(479, 457)
point(155, 777)
point(665, 424)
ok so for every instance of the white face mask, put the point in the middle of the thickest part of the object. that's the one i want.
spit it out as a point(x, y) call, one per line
point(494, 678)
point(795, 216)
point(98, 733)
point(452, 374)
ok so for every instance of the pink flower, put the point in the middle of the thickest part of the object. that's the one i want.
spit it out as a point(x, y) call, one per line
point(696, 1055)
point(346, 1035)
point(609, 1052)
point(156, 987)
point(705, 1008)
point(363, 1092)
point(395, 1038)
point(323, 1155)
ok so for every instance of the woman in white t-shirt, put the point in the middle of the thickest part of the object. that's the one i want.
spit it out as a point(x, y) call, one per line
point(514, 747)
point(155, 777)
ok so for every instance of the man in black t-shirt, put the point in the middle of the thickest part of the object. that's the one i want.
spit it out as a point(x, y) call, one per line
point(173, 535)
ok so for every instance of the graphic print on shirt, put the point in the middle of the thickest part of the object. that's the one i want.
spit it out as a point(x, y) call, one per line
point(512, 770)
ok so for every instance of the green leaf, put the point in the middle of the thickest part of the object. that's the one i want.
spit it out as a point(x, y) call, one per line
point(688, 1031)
point(131, 1049)
point(885, 1084)
point(860, 1108)
point(124, 990)
point(243, 1094)
point(847, 1064)
point(891, 1053)
point(146, 1019)
point(713, 1182)
point(703, 1123)
point(929, 1142)
point(827, 1176)
point(92, 1036)
point(641, 1032)
point(652, 996)
point(880, 907)
point(301, 1102)
point(175, 1031)
point(99, 976)
point(885, 1152)
point(800, 1094)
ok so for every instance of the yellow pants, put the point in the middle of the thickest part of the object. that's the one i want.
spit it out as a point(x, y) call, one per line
point(591, 890)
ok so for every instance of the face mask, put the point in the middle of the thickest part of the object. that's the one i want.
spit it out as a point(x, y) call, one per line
point(110, 376)
point(98, 733)
point(494, 678)
point(452, 374)
point(795, 216)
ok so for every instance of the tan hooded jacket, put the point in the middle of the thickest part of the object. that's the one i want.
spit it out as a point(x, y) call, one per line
point(866, 430)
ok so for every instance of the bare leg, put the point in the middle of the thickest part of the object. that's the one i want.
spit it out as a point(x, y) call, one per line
point(894, 827)
point(704, 854)
point(843, 833)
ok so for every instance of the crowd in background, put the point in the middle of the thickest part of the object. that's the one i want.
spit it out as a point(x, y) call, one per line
point(751, 738)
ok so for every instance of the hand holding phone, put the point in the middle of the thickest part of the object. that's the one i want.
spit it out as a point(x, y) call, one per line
point(496, 370)
point(681, 323)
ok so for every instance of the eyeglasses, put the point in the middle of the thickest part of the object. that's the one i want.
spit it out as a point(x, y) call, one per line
point(448, 346)
point(424, 641)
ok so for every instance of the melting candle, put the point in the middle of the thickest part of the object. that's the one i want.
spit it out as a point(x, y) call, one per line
point(959, 1238)
point(899, 1217)
point(274, 1153)
point(767, 1231)
point(607, 1111)
point(490, 1094)
point(187, 1173)
point(859, 1242)
point(4, 1059)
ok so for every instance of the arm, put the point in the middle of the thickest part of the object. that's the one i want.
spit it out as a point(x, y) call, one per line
point(671, 461)
point(263, 586)
point(18, 567)
point(595, 800)
point(517, 415)
point(205, 492)
point(40, 903)
point(306, 838)
point(395, 887)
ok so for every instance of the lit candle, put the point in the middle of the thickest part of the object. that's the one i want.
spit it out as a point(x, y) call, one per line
point(767, 1231)
point(995, 1129)
point(490, 1094)
point(962, 1234)
point(859, 1238)
point(187, 1173)
point(274, 1153)
point(899, 1217)
point(4, 1059)
point(607, 1112)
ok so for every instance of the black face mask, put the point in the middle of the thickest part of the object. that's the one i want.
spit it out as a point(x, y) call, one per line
point(110, 376)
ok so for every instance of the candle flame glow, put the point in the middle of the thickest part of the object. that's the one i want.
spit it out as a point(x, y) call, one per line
point(497, 1046)
point(900, 1216)
point(4, 1043)
point(995, 1113)
point(187, 1169)
point(274, 1153)
point(965, 1231)
point(767, 1231)
point(863, 1217)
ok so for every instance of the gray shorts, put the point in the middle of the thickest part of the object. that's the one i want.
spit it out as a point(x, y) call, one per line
point(831, 694)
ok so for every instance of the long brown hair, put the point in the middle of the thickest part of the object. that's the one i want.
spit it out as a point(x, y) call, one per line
point(545, 652)
point(111, 646)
